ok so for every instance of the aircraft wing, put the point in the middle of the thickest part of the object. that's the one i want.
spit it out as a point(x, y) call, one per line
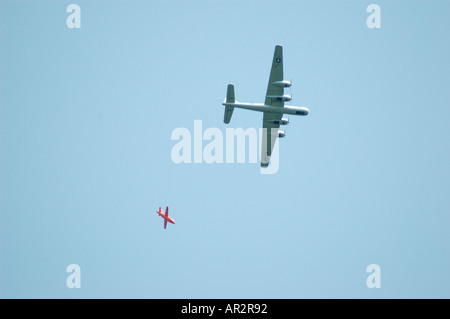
point(271, 120)
point(270, 125)
point(166, 214)
point(276, 74)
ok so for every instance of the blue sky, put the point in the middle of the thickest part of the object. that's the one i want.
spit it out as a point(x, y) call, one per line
point(86, 120)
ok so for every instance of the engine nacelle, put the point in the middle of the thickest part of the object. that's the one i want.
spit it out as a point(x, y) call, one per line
point(283, 121)
point(281, 134)
point(283, 84)
point(284, 98)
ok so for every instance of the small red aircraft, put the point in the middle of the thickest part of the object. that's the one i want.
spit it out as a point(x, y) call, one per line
point(165, 216)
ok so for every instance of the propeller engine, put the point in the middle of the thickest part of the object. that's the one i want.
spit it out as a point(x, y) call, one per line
point(283, 84)
point(284, 121)
point(284, 97)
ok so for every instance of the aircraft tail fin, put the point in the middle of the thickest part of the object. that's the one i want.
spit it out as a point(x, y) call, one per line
point(229, 108)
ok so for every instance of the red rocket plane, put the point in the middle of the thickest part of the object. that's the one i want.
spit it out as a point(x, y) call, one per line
point(165, 216)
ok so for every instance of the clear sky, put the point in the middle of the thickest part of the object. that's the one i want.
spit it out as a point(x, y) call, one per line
point(86, 121)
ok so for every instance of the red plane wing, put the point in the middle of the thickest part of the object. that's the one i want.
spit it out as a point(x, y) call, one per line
point(165, 223)
point(167, 210)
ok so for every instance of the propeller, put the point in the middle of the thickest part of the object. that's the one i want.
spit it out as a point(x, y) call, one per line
point(290, 92)
point(292, 97)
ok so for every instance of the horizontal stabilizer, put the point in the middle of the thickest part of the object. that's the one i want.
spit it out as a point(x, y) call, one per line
point(229, 108)
point(230, 94)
